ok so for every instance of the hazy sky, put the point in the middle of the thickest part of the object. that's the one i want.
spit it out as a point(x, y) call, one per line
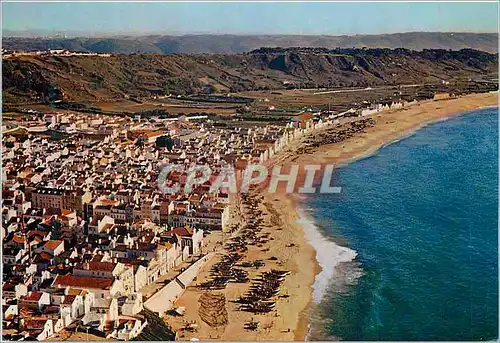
point(262, 18)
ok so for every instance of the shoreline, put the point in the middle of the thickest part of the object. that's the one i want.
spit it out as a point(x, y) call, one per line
point(292, 243)
point(407, 134)
point(431, 113)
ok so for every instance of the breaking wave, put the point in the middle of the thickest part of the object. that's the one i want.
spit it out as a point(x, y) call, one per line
point(328, 254)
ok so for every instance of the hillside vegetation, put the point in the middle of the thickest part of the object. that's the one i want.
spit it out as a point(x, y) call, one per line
point(30, 78)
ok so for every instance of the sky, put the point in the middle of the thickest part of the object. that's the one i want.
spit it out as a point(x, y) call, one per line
point(250, 18)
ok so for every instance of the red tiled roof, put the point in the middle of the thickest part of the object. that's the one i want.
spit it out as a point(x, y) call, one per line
point(305, 116)
point(37, 233)
point(26, 312)
point(38, 239)
point(83, 282)
point(146, 246)
point(68, 299)
point(34, 296)
point(34, 324)
point(195, 198)
point(18, 239)
point(66, 212)
point(181, 231)
point(107, 202)
point(97, 266)
point(75, 291)
point(97, 258)
point(8, 287)
point(153, 133)
point(52, 244)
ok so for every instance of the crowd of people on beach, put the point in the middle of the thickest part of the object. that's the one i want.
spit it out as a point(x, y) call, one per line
point(234, 267)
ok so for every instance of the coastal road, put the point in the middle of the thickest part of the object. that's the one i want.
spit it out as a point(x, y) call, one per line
point(350, 90)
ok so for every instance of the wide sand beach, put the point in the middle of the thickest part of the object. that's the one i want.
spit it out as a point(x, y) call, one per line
point(288, 244)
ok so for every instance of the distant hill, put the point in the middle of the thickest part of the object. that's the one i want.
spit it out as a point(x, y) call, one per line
point(27, 78)
point(232, 44)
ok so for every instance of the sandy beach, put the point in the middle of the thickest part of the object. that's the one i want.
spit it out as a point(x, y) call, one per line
point(287, 243)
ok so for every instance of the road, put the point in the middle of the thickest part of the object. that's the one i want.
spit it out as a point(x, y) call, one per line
point(348, 90)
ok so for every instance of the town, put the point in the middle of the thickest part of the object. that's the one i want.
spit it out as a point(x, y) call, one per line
point(86, 230)
point(249, 172)
point(90, 239)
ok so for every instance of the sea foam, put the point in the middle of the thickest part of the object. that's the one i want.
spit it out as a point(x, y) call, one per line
point(328, 254)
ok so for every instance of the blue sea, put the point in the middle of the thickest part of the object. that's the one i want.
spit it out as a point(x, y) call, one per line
point(409, 247)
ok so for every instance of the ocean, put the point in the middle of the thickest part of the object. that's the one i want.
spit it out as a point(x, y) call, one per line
point(409, 248)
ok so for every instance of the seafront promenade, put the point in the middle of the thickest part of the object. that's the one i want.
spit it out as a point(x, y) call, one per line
point(164, 299)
